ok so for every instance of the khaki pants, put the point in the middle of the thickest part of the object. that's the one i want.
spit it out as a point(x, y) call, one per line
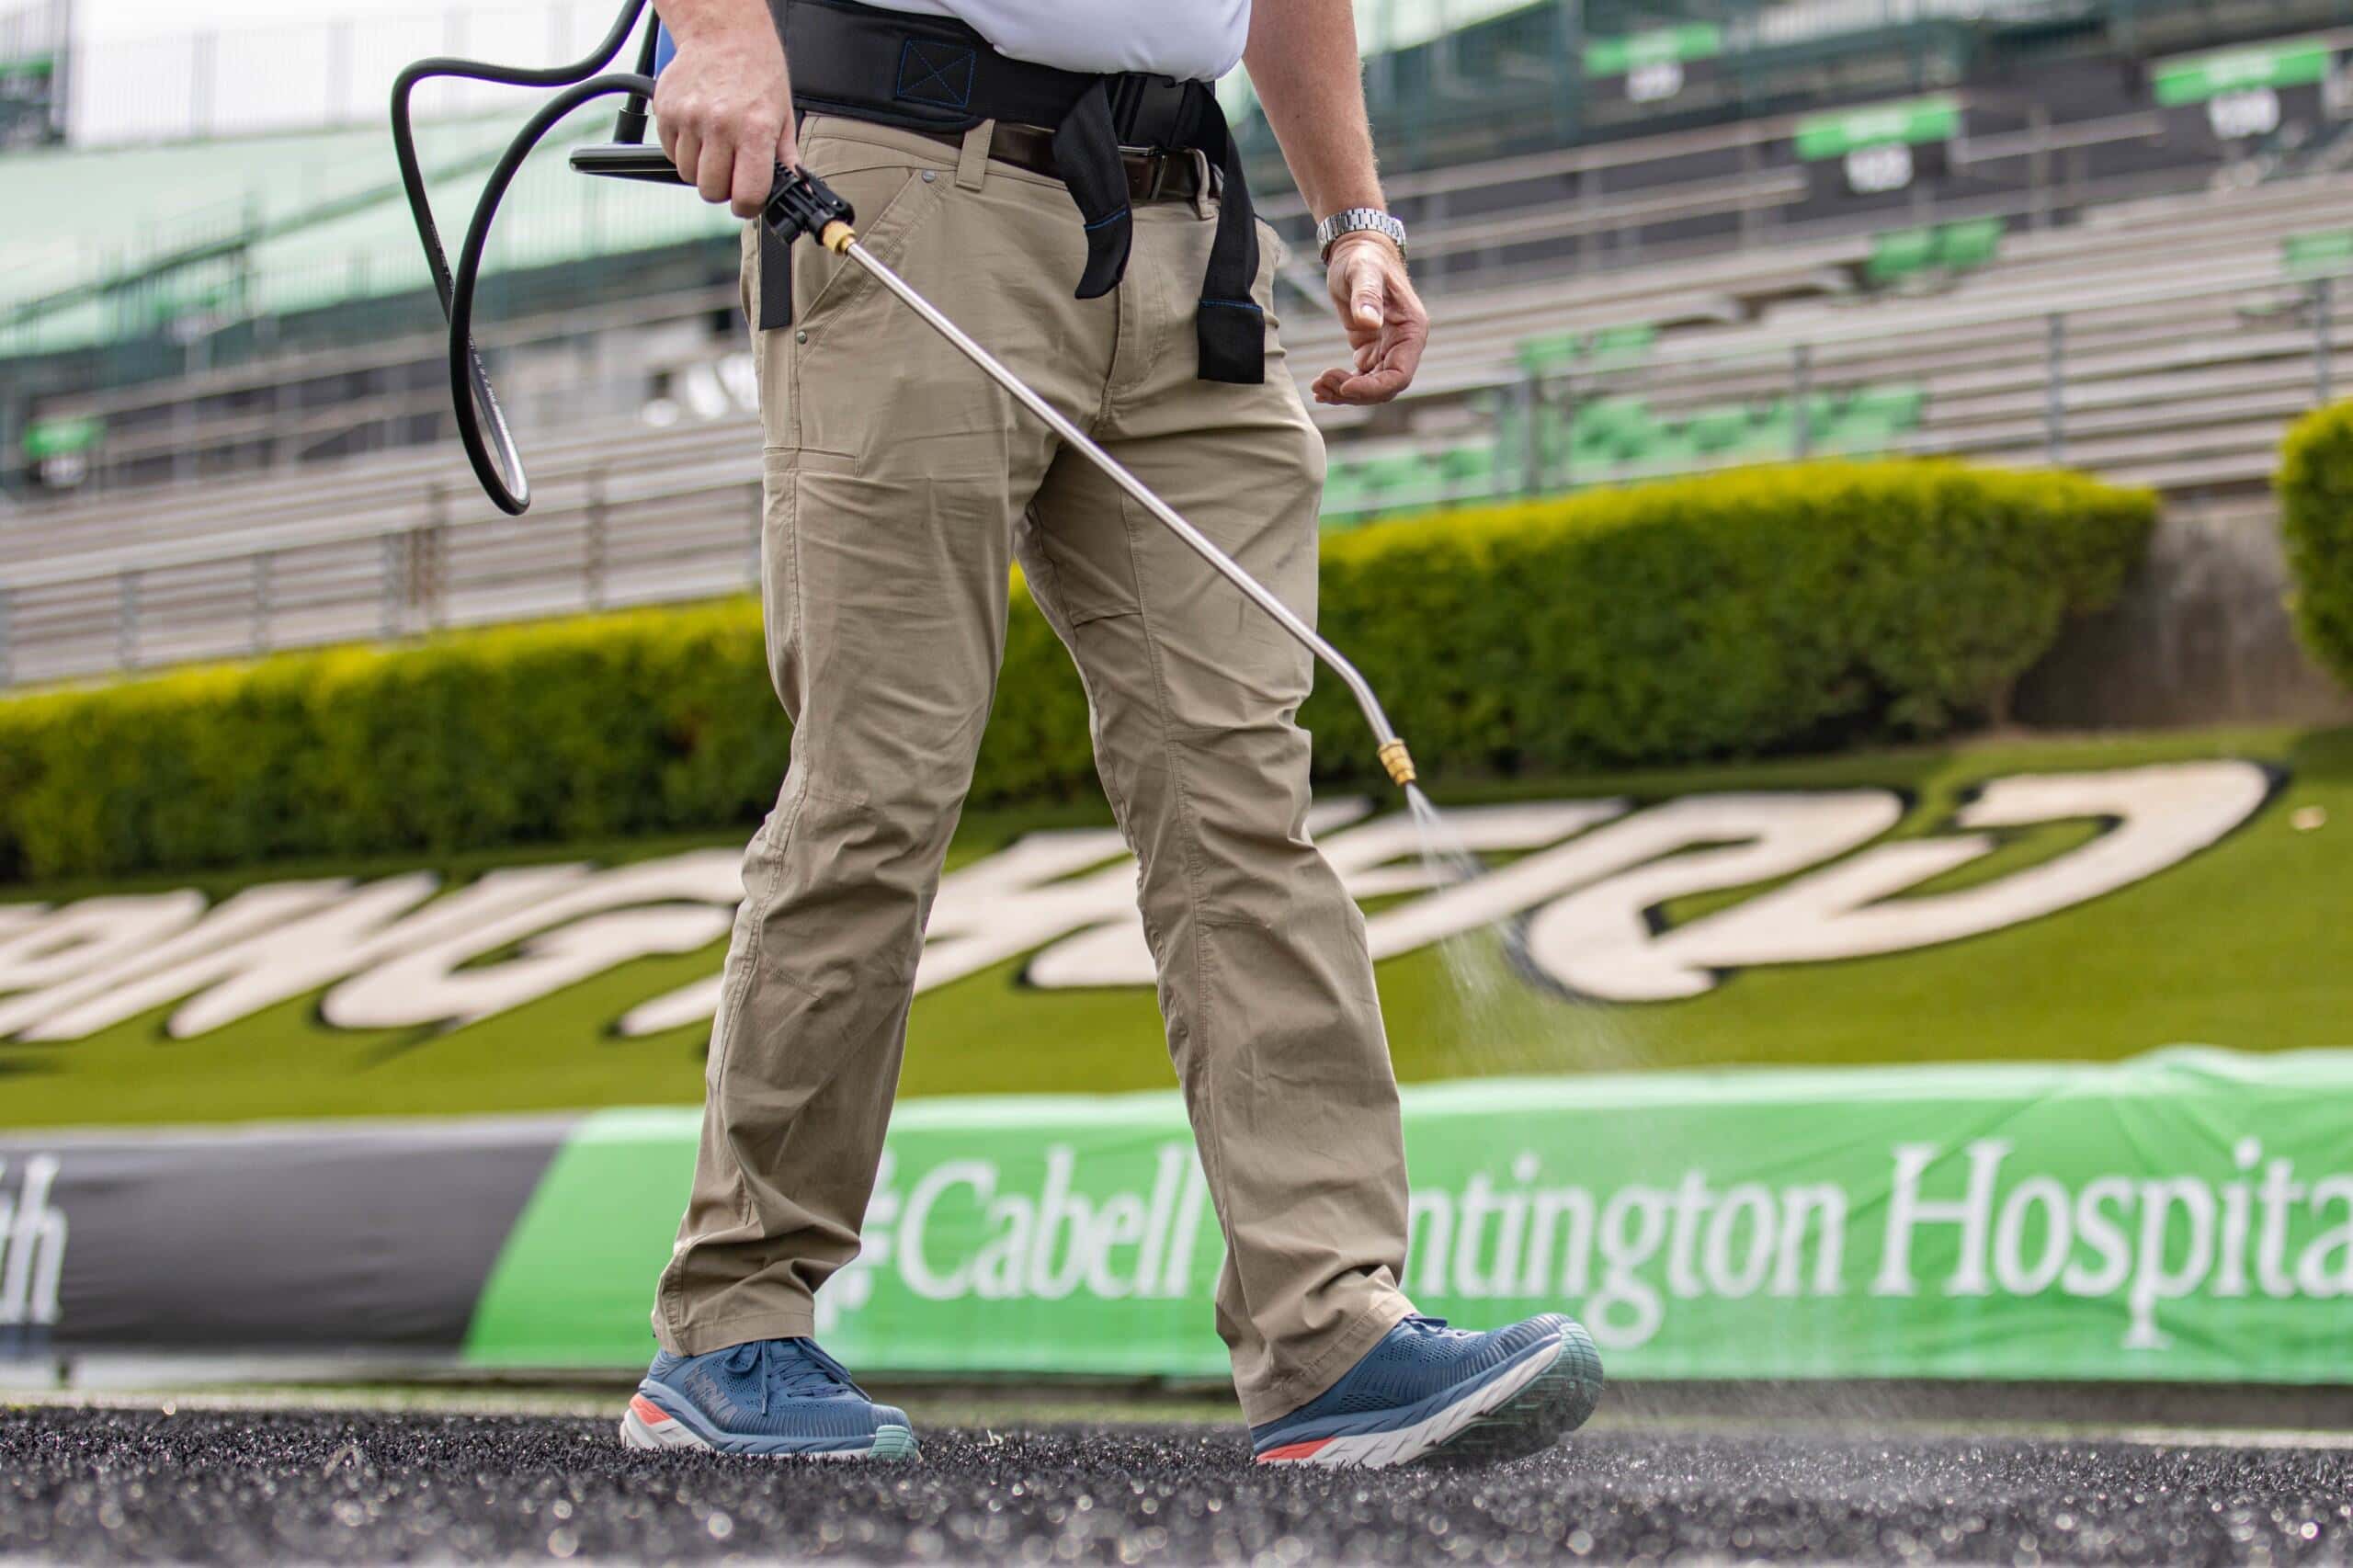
point(901, 486)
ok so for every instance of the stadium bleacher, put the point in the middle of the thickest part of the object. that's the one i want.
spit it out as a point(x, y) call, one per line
point(174, 304)
point(2185, 338)
point(2119, 286)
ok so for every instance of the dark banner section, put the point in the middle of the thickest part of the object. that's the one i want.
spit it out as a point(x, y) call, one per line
point(370, 1236)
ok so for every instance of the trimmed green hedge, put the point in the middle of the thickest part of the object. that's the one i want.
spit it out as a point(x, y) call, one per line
point(1811, 605)
point(2317, 522)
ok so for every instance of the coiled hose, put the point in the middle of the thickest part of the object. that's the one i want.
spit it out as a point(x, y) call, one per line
point(482, 425)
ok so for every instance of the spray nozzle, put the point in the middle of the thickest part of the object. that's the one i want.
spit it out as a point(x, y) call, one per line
point(1398, 762)
point(800, 204)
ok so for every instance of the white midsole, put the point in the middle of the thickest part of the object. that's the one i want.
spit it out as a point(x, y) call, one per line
point(1376, 1450)
point(639, 1433)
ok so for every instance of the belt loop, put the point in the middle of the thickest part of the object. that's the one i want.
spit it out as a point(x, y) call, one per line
point(972, 162)
point(1204, 191)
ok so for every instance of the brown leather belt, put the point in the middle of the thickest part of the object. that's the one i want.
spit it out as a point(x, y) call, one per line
point(1154, 174)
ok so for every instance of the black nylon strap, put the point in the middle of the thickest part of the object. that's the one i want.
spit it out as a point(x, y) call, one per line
point(907, 68)
point(776, 281)
point(925, 73)
point(1086, 156)
point(776, 271)
point(1230, 325)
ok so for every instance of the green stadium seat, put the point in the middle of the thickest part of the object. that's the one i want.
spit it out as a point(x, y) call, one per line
point(1399, 478)
point(1613, 415)
point(1768, 439)
point(1857, 434)
point(1969, 244)
point(1667, 450)
point(1550, 352)
point(1900, 254)
point(1467, 470)
point(1717, 430)
point(1897, 403)
point(1822, 411)
point(2317, 253)
point(1467, 462)
point(1619, 343)
point(1612, 345)
point(1347, 497)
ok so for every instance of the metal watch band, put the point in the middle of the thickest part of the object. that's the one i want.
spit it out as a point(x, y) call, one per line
point(1357, 220)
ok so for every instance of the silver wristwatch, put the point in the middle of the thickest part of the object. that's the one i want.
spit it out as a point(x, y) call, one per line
point(1357, 220)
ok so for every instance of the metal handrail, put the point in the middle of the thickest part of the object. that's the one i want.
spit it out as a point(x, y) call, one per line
point(1766, 343)
point(101, 565)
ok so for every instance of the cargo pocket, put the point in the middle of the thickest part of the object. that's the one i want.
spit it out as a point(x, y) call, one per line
point(891, 203)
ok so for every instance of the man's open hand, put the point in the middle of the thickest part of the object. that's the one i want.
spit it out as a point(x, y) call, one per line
point(1386, 323)
point(724, 105)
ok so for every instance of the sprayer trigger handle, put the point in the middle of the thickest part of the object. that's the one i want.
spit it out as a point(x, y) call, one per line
point(800, 203)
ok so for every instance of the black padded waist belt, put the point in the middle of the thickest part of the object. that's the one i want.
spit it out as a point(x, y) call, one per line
point(924, 73)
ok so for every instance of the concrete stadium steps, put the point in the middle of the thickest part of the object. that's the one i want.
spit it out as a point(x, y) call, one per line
point(1693, 199)
point(2185, 241)
point(314, 218)
point(152, 420)
point(414, 488)
point(170, 610)
point(2189, 392)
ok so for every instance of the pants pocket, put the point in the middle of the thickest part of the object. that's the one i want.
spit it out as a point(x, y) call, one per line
point(890, 204)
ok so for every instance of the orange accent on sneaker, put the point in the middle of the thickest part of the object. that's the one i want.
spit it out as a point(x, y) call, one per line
point(1294, 1451)
point(648, 1412)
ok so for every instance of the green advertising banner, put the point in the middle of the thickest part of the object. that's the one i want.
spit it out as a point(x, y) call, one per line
point(1616, 56)
point(2193, 78)
point(2186, 1215)
point(1911, 120)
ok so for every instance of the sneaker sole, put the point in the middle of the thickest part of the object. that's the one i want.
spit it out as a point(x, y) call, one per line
point(1549, 1393)
point(645, 1425)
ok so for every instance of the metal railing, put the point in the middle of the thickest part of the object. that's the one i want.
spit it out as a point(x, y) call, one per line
point(2036, 385)
point(2022, 386)
point(322, 584)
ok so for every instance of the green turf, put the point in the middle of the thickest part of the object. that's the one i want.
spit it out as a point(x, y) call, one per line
point(2242, 945)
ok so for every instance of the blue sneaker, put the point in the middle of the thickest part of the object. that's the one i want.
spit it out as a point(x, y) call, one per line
point(771, 1397)
point(1427, 1391)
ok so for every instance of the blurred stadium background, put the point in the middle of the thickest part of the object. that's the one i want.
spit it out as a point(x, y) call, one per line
point(1999, 813)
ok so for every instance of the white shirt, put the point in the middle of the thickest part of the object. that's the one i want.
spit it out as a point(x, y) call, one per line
point(1190, 39)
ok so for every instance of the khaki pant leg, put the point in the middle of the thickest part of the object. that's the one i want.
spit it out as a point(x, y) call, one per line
point(1265, 980)
point(894, 473)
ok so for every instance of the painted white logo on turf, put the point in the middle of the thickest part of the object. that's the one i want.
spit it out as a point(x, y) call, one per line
point(1586, 877)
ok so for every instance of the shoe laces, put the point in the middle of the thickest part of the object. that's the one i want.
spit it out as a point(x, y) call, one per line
point(790, 1369)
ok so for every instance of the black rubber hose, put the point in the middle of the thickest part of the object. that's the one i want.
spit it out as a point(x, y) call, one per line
point(480, 422)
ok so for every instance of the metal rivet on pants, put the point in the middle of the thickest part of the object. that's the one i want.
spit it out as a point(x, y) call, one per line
point(801, 337)
point(930, 175)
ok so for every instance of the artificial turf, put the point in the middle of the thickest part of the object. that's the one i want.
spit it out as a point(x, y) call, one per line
point(2244, 944)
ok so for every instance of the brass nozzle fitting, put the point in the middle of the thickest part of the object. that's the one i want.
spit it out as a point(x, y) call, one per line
point(838, 237)
point(1399, 761)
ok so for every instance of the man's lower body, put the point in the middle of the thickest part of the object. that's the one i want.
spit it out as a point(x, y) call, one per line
point(902, 487)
